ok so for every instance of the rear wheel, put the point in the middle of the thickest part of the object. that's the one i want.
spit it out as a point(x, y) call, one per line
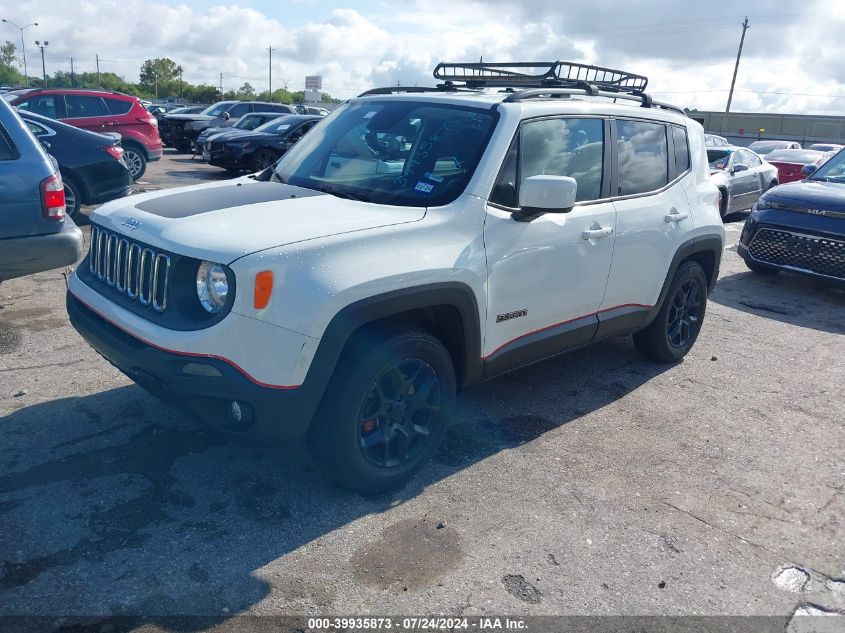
point(136, 160)
point(73, 198)
point(675, 329)
point(386, 409)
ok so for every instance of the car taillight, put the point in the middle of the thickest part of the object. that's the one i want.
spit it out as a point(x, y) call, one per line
point(151, 120)
point(114, 151)
point(53, 198)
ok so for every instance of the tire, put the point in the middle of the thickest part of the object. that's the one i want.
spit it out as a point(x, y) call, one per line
point(73, 198)
point(723, 204)
point(262, 159)
point(675, 329)
point(760, 269)
point(136, 159)
point(388, 387)
point(182, 145)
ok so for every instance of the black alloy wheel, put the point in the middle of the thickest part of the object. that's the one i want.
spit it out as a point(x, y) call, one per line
point(400, 412)
point(684, 313)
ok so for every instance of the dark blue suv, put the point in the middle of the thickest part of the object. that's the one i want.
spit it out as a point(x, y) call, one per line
point(35, 235)
point(800, 226)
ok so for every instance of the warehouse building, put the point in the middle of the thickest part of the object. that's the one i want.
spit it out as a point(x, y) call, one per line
point(742, 128)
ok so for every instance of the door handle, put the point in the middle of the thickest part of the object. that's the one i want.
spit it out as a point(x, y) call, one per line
point(675, 216)
point(593, 234)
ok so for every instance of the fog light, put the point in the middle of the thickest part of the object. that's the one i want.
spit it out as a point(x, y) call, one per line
point(235, 411)
point(240, 413)
point(201, 369)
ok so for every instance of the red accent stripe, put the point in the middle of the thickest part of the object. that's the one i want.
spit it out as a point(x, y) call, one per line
point(231, 363)
point(549, 327)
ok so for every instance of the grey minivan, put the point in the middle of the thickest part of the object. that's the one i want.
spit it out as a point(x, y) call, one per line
point(35, 235)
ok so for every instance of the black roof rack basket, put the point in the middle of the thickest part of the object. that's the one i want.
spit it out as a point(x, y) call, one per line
point(557, 74)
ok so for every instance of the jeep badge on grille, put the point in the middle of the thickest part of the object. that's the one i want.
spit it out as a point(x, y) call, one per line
point(130, 223)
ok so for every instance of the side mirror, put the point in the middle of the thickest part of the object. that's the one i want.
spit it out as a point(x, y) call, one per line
point(548, 194)
point(738, 168)
point(809, 169)
point(226, 116)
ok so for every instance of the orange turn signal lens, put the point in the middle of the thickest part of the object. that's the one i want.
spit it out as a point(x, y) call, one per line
point(263, 289)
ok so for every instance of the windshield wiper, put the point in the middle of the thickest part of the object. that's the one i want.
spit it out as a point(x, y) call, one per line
point(340, 194)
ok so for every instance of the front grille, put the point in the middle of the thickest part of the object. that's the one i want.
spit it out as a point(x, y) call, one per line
point(129, 268)
point(810, 253)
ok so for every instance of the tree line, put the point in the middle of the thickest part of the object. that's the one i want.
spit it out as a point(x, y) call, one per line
point(159, 78)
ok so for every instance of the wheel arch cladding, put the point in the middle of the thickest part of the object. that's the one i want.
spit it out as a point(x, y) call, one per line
point(447, 310)
point(706, 251)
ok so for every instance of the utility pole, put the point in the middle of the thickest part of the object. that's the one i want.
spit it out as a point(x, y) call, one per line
point(72, 74)
point(181, 87)
point(23, 46)
point(43, 67)
point(221, 85)
point(97, 57)
point(270, 69)
point(736, 68)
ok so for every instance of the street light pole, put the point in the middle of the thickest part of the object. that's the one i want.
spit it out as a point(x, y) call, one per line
point(270, 68)
point(43, 67)
point(23, 47)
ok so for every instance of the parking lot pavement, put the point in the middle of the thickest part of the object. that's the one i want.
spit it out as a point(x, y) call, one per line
point(594, 483)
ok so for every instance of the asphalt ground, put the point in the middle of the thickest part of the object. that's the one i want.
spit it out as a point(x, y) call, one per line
point(596, 483)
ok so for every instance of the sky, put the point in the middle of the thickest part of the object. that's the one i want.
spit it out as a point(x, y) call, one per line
point(791, 61)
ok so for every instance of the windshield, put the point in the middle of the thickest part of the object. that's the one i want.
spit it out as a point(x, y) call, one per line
point(276, 126)
point(797, 156)
point(765, 147)
point(391, 152)
point(218, 108)
point(718, 158)
point(833, 170)
point(248, 122)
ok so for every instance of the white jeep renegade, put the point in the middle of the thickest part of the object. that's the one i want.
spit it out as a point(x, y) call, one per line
point(414, 243)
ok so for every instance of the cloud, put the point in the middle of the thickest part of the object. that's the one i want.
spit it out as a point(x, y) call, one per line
point(686, 50)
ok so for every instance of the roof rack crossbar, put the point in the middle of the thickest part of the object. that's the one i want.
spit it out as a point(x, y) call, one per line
point(558, 74)
point(643, 99)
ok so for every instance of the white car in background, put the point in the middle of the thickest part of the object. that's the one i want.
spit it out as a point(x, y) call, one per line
point(741, 177)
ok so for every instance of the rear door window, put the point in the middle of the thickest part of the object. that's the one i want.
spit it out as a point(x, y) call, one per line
point(118, 106)
point(82, 106)
point(643, 155)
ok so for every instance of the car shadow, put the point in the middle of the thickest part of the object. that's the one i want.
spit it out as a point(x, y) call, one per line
point(117, 504)
point(786, 297)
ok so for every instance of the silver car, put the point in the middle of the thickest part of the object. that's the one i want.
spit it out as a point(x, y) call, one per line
point(741, 176)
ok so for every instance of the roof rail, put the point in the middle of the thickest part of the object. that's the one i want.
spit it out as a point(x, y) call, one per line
point(551, 74)
point(643, 99)
point(446, 87)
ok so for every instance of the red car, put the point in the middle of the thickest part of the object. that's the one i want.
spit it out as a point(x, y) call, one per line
point(790, 161)
point(103, 112)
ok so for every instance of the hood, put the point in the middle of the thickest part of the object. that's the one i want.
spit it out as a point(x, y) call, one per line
point(227, 220)
point(215, 130)
point(188, 117)
point(238, 136)
point(809, 194)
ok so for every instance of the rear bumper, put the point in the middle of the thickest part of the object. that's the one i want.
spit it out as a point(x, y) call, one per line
point(155, 154)
point(269, 412)
point(33, 254)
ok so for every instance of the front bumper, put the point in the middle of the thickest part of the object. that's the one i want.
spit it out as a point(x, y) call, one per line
point(268, 412)
point(793, 242)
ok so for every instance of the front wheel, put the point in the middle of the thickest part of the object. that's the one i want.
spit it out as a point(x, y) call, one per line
point(263, 158)
point(674, 331)
point(386, 409)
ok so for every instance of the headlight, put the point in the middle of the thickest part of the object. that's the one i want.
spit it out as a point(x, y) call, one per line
point(212, 286)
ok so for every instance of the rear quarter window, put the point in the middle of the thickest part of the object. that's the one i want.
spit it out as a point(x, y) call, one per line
point(8, 151)
point(682, 161)
point(118, 106)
